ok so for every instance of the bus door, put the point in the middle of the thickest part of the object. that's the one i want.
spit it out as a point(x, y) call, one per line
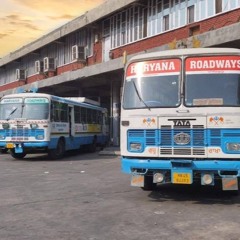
point(71, 121)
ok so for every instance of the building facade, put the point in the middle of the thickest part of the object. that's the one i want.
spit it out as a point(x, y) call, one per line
point(86, 56)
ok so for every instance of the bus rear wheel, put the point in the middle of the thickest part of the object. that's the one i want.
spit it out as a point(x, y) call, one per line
point(58, 152)
point(17, 155)
point(93, 146)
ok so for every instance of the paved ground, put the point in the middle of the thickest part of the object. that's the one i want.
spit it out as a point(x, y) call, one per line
point(86, 197)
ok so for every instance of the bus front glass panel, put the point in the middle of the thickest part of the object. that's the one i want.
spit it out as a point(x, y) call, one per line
point(28, 108)
point(36, 108)
point(212, 81)
point(152, 84)
point(10, 108)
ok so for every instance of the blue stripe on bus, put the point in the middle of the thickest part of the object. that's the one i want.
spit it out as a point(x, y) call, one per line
point(199, 137)
point(165, 164)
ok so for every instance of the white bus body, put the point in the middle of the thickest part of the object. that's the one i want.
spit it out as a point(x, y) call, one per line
point(180, 118)
point(36, 122)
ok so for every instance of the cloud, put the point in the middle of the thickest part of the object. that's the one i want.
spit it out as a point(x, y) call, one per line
point(2, 35)
point(62, 17)
point(69, 7)
point(23, 21)
point(18, 21)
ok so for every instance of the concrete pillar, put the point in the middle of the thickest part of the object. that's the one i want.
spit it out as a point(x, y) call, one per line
point(115, 113)
point(80, 92)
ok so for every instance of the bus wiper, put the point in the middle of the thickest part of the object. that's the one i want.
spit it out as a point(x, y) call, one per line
point(139, 96)
point(11, 113)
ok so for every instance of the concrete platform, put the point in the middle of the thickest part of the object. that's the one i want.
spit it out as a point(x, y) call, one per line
point(110, 151)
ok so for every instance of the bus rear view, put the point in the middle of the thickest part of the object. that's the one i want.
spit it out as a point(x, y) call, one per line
point(180, 118)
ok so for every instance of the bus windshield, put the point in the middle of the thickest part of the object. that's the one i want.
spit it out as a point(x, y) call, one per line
point(154, 83)
point(212, 89)
point(159, 91)
point(211, 81)
point(29, 108)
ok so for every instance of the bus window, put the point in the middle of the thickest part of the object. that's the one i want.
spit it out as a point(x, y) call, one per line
point(83, 115)
point(59, 112)
point(77, 110)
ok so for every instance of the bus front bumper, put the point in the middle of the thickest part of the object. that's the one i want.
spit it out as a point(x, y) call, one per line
point(19, 147)
point(183, 171)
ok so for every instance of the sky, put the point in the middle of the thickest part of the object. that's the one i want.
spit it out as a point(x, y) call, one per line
point(23, 21)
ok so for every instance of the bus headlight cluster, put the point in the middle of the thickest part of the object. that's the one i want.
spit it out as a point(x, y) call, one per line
point(207, 179)
point(158, 177)
point(2, 137)
point(39, 137)
point(135, 146)
point(5, 125)
point(235, 147)
point(33, 125)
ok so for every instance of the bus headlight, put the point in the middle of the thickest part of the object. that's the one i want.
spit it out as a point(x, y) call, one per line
point(207, 179)
point(235, 147)
point(33, 125)
point(136, 147)
point(39, 137)
point(5, 125)
point(158, 177)
point(2, 137)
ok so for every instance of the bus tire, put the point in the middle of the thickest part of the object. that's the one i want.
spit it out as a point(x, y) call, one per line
point(17, 155)
point(58, 152)
point(4, 150)
point(93, 147)
point(149, 185)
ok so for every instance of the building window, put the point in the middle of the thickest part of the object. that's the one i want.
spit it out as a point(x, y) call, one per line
point(166, 23)
point(190, 16)
point(218, 5)
point(145, 23)
point(106, 28)
point(123, 29)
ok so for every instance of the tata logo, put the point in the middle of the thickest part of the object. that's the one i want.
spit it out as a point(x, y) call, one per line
point(182, 122)
point(182, 138)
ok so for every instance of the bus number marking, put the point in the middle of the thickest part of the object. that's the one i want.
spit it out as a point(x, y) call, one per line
point(152, 151)
point(214, 150)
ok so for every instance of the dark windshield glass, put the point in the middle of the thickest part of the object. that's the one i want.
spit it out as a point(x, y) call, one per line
point(156, 91)
point(10, 111)
point(35, 111)
point(30, 108)
point(212, 89)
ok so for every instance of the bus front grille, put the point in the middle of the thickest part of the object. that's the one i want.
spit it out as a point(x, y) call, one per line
point(23, 133)
point(177, 141)
point(165, 139)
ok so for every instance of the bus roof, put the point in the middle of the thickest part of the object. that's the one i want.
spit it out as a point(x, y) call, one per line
point(185, 52)
point(73, 101)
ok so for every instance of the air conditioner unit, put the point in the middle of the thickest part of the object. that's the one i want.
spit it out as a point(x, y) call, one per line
point(38, 66)
point(48, 64)
point(79, 53)
point(20, 74)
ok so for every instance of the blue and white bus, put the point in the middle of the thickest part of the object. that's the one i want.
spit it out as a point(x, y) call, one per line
point(180, 118)
point(37, 122)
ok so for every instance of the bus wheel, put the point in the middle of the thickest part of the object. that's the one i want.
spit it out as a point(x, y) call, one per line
point(149, 185)
point(17, 155)
point(93, 147)
point(58, 152)
point(4, 150)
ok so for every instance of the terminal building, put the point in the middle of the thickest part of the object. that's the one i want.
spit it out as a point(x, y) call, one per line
point(86, 56)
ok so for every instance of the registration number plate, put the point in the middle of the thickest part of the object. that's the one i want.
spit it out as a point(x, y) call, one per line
point(182, 178)
point(137, 181)
point(9, 145)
